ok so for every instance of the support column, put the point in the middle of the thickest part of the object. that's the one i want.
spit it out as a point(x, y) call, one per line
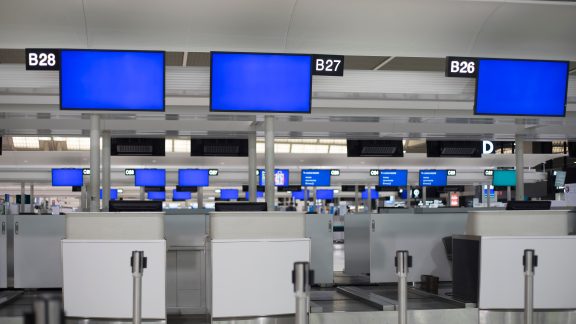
point(106, 169)
point(488, 197)
point(356, 198)
point(22, 198)
point(408, 197)
point(269, 157)
point(252, 160)
point(94, 163)
point(200, 198)
point(142, 194)
point(519, 150)
point(369, 196)
point(83, 199)
point(32, 198)
point(424, 198)
point(314, 200)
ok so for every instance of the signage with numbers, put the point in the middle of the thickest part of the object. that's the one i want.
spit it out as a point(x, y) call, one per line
point(335, 172)
point(86, 171)
point(330, 65)
point(488, 172)
point(461, 67)
point(43, 59)
point(213, 172)
point(452, 173)
point(129, 172)
point(374, 172)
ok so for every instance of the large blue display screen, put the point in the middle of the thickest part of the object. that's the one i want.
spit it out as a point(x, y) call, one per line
point(229, 194)
point(325, 194)
point(299, 195)
point(259, 194)
point(373, 194)
point(193, 178)
point(433, 178)
point(523, 88)
point(150, 178)
point(112, 80)
point(504, 178)
point(113, 194)
point(157, 195)
point(260, 82)
point(315, 178)
point(281, 177)
point(181, 195)
point(393, 178)
point(67, 178)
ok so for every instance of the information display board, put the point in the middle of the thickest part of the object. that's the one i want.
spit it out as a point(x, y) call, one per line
point(504, 178)
point(393, 178)
point(229, 194)
point(150, 178)
point(157, 195)
point(281, 177)
point(315, 178)
point(433, 178)
point(193, 178)
point(181, 195)
point(67, 178)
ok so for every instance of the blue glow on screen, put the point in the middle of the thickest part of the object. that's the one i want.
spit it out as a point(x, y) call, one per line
point(113, 194)
point(229, 194)
point(373, 194)
point(299, 195)
point(67, 178)
point(517, 87)
point(393, 178)
point(150, 178)
point(504, 178)
point(112, 80)
point(433, 178)
point(157, 195)
point(193, 178)
point(281, 177)
point(261, 82)
point(259, 194)
point(325, 194)
point(181, 195)
point(315, 178)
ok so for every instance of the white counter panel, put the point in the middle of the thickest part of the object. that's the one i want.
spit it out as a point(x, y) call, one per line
point(520, 223)
point(256, 225)
point(115, 226)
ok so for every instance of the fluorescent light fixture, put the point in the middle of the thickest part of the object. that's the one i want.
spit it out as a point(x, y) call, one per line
point(26, 142)
point(338, 149)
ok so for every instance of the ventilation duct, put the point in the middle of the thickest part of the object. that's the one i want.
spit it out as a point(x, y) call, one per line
point(454, 148)
point(138, 147)
point(375, 148)
point(219, 147)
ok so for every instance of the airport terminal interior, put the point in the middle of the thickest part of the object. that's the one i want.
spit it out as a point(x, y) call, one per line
point(288, 161)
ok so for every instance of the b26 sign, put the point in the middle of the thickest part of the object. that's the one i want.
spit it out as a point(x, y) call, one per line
point(461, 67)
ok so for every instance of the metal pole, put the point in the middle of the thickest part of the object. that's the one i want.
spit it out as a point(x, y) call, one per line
point(403, 262)
point(409, 196)
point(94, 163)
point(301, 280)
point(314, 200)
point(508, 193)
point(489, 198)
point(200, 198)
point(424, 196)
point(369, 196)
point(32, 198)
point(106, 161)
point(142, 194)
point(269, 157)
point(530, 261)
point(83, 199)
point(252, 158)
point(519, 150)
point(138, 262)
point(356, 198)
point(22, 198)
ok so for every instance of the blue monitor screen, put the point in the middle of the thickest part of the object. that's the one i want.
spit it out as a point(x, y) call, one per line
point(299, 195)
point(522, 88)
point(193, 178)
point(281, 177)
point(229, 194)
point(111, 80)
point(373, 194)
point(67, 178)
point(259, 194)
point(181, 195)
point(315, 178)
point(325, 194)
point(157, 195)
point(150, 178)
point(433, 178)
point(113, 194)
point(260, 82)
point(393, 178)
point(504, 178)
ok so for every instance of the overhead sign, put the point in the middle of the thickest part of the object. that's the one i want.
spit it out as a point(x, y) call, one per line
point(452, 173)
point(213, 172)
point(86, 171)
point(488, 172)
point(487, 147)
point(42, 59)
point(335, 172)
point(331, 65)
point(374, 172)
point(129, 172)
point(461, 67)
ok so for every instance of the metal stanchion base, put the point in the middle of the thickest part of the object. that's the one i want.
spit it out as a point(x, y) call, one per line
point(280, 319)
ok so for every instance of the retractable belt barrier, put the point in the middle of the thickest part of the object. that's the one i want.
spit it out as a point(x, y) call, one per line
point(138, 263)
point(402, 261)
point(302, 278)
point(530, 261)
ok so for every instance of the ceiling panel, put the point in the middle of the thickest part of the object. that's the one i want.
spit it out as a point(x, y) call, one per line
point(415, 64)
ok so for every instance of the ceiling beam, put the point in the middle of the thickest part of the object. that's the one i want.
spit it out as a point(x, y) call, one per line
point(572, 71)
point(383, 63)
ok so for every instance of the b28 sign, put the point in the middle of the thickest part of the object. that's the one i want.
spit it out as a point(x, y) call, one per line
point(42, 59)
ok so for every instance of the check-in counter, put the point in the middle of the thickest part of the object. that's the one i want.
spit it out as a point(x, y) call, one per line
point(186, 238)
point(96, 257)
point(319, 229)
point(488, 267)
point(252, 255)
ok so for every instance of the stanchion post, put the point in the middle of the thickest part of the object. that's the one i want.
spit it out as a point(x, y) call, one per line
point(403, 262)
point(530, 261)
point(302, 278)
point(138, 263)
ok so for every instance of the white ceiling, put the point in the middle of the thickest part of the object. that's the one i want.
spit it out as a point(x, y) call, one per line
point(421, 28)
